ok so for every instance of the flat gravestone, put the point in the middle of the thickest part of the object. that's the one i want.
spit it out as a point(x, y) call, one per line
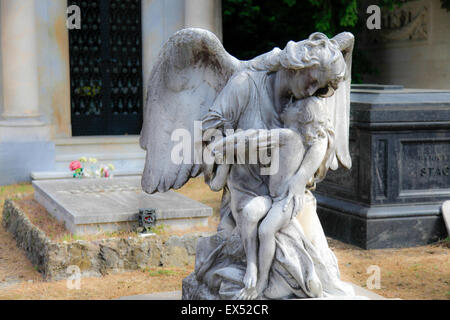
point(91, 205)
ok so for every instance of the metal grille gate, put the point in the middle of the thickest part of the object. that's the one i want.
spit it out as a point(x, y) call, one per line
point(106, 68)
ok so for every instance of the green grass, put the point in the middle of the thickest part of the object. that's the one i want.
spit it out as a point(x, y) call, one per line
point(161, 272)
point(159, 229)
point(12, 191)
point(71, 237)
point(444, 242)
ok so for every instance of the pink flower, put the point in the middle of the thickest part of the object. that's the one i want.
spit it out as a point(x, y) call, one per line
point(74, 165)
point(106, 173)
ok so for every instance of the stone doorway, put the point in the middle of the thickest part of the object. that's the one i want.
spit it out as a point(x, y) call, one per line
point(106, 68)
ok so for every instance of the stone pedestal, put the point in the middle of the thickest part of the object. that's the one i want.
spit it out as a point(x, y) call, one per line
point(400, 147)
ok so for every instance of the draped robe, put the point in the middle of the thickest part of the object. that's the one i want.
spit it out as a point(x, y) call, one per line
point(302, 253)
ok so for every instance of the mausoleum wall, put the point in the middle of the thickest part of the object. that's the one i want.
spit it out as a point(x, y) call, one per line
point(415, 56)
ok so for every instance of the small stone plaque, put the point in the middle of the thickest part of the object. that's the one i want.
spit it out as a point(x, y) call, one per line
point(93, 205)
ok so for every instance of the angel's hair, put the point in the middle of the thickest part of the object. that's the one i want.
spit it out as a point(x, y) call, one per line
point(316, 51)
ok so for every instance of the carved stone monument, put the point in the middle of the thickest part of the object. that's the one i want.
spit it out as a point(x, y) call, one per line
point(400, 145)
point(263, 131)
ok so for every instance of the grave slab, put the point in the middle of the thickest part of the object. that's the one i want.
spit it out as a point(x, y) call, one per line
point(91, 205)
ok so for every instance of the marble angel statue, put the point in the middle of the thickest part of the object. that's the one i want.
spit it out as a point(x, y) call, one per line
point(294, 104)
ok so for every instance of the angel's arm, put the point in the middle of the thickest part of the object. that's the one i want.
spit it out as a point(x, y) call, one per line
point(223, 115)
point(247, 142)
point(310, 164)
point(225, 112)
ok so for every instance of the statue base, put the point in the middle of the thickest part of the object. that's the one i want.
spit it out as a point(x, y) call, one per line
point(303, 265)
point(192, 289)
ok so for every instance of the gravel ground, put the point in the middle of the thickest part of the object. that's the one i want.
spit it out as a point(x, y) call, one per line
point(410, 273)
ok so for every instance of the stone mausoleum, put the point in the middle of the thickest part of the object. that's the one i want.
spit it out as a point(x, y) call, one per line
point(400, 176)
point(399, 136)
point(412, 48)
point(68, 93)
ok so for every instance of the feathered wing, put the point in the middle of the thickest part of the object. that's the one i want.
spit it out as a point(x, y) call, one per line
point(191, 70)
point(338, 106)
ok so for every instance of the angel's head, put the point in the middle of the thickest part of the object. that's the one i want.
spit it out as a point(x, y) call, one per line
point(310, 67)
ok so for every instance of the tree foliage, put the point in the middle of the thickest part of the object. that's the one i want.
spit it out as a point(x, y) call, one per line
point(445, 4)
point(252, 27)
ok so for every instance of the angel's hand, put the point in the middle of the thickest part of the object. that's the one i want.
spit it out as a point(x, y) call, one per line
point(298, 203)
point(217, 151)
point(296, 193)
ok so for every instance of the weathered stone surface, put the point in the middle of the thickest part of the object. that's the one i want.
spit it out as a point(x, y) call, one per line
point(180, 251)
point(220, 266)
point(95, 258)
point(193, 289)
point(293, 103)
point(90, 205)
point(400, 176)
point(189, 284)
point(196, 290)
point(32, 240)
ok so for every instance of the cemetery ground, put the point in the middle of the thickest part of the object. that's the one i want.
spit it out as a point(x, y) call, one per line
point(410, 273)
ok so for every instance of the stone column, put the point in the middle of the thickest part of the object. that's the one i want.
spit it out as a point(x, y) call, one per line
point(24, 138)
point(206, 14)
point(160, 20)
point(19, 58)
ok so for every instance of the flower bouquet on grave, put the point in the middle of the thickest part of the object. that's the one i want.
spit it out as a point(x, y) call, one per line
point(89, 168)
point(77, 169)
point(106, 171)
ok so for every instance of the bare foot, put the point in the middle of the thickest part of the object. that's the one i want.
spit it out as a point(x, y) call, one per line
point(247, 294)
point(315, 287)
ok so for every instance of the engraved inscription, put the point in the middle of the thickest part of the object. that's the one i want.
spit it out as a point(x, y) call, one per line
point(444, 171)
point(121, 187)
point(425, 165)
point(405, 24)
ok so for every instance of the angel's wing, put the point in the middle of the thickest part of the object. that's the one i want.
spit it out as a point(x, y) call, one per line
point(191, 70)
point(339, 106)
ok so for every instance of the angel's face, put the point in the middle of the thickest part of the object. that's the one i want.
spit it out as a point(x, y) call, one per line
point(305, 82)
point(313, 81)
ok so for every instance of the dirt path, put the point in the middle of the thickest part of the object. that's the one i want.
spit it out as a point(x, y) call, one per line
point(14, 265)
point(412, 273)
